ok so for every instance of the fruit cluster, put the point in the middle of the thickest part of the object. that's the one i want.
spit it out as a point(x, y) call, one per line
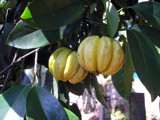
point(99, 55)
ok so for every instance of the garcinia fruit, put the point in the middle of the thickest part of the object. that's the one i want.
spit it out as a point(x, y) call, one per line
point(64, 65)
point(101, 55)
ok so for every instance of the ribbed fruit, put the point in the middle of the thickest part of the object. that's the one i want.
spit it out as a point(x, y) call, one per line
point(63, 64)
point(101, 55)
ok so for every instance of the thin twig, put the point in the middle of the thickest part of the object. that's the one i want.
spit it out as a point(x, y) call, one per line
point(8, 74)
point(9, 66)
point(26, 55)
point(18, 60)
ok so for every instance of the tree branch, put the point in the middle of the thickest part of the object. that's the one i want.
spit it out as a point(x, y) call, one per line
point(19, 60)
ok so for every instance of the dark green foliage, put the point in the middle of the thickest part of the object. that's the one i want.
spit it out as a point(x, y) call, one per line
point(50, 24)
point(145, 58)
point(123, 79)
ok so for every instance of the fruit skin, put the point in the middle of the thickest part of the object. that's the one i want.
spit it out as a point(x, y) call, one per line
point(101, 55)
point(63, 64)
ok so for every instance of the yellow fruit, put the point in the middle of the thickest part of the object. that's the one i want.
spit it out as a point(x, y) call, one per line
point(101, 55)
point(63, 64)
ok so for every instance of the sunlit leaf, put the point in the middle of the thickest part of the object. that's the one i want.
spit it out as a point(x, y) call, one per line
point(71, 115)
point(27, 14)
point(13, 103)
point(74, 108)
point(3, 4)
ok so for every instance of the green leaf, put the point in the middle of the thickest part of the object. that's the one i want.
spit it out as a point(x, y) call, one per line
point(2, 5)
point(121, 3)
point(45, 78)
point(71, 115)
point(151, 33)
point(99, 91)
point(74, 108)
point(41, 105)
point(149, 11)
point(26, 14)
point(123, 79)
point(52, 14)
point(13, 103)
point(24, 36)
point(145, 58)
point(112, 19)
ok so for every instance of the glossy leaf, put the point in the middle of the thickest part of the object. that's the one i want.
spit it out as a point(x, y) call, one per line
point(45, 78)
point(112, 19)
point(99, 91)
point(145, 57)
point(71, 115)
point(13, 103)
point(123, 79)
point(150, 33)
point(41, 105)
point(25, 37)
point(149, 11)
point(52, 14)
